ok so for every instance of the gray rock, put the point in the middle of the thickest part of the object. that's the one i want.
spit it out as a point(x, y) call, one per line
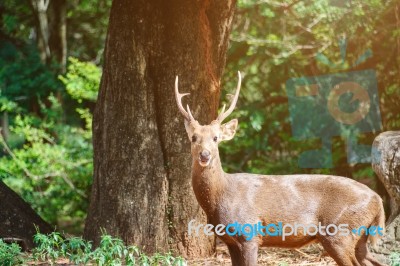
point(387, 167)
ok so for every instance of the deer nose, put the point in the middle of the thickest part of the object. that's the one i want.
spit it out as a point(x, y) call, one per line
point(205, 155)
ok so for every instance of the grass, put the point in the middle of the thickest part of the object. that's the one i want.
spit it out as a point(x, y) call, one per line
point(53, 247)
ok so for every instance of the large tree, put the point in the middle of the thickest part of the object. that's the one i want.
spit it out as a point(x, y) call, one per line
point(142, 187)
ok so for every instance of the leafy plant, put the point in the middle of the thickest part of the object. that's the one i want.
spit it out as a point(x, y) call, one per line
point(77, 250)
point(110, 252)
point(48, 247)
point(10, 254)
point(394, 259)
point(82, 80)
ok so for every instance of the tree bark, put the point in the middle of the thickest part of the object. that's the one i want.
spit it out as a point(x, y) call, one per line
point(5, 127)
point(40, 10)
point(18, 220)
point(142, 188)
point(387, 167)
point(58, 32)
point(51, 28)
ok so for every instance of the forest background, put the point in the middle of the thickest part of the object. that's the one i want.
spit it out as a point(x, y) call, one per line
point(50, 70)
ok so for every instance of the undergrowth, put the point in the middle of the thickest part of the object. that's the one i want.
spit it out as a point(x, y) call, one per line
point(395, 259)
point(110, 252)
point(10, 254)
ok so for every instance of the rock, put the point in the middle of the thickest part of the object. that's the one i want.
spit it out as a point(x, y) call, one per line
point(386, 151)
point(18, 220)
point(387, 167)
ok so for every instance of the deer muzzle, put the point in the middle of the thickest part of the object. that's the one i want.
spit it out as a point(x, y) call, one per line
point(204, 158)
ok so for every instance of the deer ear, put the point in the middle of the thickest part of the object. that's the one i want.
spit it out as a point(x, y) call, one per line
point(228, 130)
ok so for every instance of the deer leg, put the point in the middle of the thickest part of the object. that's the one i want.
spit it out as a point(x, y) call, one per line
point(341, 249)
point(363, 255)
point(373, 260)
point(249, 254)
point(234, 251)
point(362, 251)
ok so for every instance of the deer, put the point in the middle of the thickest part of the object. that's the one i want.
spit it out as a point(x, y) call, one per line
point(228, 198)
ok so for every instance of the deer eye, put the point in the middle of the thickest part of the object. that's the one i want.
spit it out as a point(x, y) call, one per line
point(194, 138)
point(215, 139)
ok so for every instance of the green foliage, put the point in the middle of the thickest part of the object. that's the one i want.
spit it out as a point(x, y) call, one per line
point(82, 80)
point(52, 167)
point(49, 162)
point(15, 18)
point(48, 247)
point(10, 254)
point(47, 158)
point(110, 252)
point(77, 250)
point(89, 21)
point(23, 77)
point(394, 259)
point(273, 41)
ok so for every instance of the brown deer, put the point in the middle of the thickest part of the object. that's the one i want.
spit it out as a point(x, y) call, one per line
point(270, 199)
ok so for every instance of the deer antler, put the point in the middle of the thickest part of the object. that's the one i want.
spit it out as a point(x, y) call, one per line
point(224, 114)
point(178, 96)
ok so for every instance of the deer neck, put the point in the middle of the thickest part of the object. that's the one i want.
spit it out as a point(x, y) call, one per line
point(208, 184)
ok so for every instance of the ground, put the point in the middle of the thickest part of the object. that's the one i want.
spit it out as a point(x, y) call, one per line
point(310, 255)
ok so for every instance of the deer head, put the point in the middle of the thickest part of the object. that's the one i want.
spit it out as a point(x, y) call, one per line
point(205, 138)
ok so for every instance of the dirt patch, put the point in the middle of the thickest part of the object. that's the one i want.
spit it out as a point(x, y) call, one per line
point(310, 255)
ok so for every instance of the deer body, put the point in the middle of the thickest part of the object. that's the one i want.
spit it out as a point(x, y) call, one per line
point(270, 199)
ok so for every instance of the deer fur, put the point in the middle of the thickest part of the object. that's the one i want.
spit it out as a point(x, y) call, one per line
point(252, 198)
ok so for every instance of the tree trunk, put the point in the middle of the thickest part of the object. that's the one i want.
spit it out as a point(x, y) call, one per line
point(40, 10)
point(5, 127)
point(58, 32)
point(18, 220)
point(387, 167)
point(51, 28)
point(142, 188)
